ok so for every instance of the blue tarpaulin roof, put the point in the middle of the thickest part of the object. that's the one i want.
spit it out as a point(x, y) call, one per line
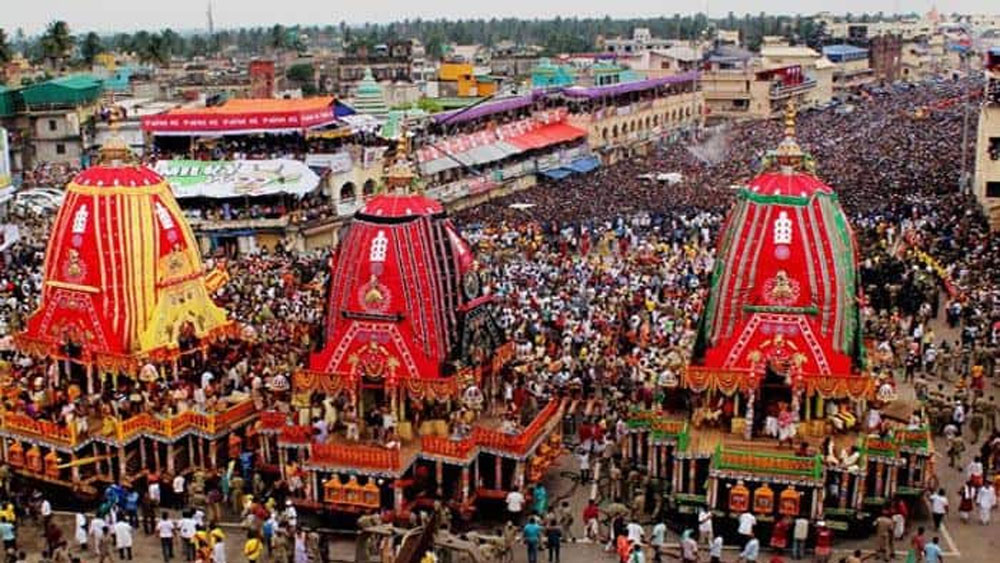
point(584, 165)
point(341, 109)
point(557, 173)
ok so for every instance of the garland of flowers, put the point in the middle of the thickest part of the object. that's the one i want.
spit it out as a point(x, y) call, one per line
point(938, 270)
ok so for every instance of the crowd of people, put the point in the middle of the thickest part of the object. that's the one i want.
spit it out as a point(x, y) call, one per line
point(600, 277)
point(600, 281)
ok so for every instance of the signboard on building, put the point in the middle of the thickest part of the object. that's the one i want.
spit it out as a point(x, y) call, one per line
point(237, 178)
point(372, 156)
point(336, 163)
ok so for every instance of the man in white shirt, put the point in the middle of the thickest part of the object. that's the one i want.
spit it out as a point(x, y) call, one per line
point(97, 525)
point(747, 523)
point(515, 504)
point(187, 528)
point(939, 507)
point(178, 488)
point(634, 531)
point(800, 534)
point(45, 509)
point(974, 471)
point(986, 499)
point(689, 548)
point(291, 515)
point(658, 538)
point(715, 550)
point(123, 539)
point(219, 551)
point(705, 525)
point(751, 551)
point(165, 529)
point(958, 416)
point(154, 493)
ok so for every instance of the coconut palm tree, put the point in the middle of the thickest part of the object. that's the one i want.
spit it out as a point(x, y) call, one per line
point(5, 50)
point(90, 46)
point(57, 42)
point(156, 50)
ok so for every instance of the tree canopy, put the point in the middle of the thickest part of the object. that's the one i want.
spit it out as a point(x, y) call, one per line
point(554, 36)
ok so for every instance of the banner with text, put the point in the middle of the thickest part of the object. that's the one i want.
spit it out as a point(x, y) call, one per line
point(237, 178)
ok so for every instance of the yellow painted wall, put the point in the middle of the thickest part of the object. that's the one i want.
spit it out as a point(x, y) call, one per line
point(466, 85)
point(663, 115)
point(450, 72)
point(986, 169)
point(486, 88)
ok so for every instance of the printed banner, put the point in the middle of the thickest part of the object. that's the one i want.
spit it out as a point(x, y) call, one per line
point(237, 178)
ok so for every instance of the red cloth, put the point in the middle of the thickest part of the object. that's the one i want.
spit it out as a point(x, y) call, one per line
point(824, 541)
point(779, 537)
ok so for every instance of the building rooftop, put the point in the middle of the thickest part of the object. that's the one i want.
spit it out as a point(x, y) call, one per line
point(824, 62)
point(843, 50)
point(729, 53)
point(787, 51)
point(686, 54)
point(627, 87)
point(77, 89)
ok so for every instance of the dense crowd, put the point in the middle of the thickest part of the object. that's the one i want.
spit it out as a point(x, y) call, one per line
point(600, 281)
point(600, 278)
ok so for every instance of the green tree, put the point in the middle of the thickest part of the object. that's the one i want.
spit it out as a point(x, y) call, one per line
point(277, 38)
point(430, 105)
point(156, 50)
point(5, 51)
point(174, 42)
point(300, 73)
point(90, 47)
point(56, 42)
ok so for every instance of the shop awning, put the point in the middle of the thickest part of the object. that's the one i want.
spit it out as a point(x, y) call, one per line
point(584, 165)
point(242, 117)
point(556, 173)
point(440, 165)
point(491, 153)
point(483, 154)
point(547, 135)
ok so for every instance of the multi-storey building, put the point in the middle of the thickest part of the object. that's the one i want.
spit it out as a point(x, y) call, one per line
point(624, 119)
point(55, 119)
point(391, 62)
point(986, 183)
point(641, 40)
point(853, 70)
point(735, 84)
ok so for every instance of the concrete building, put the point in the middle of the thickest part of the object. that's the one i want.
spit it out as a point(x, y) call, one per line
point(391, 62)
point(641, 40)
point(853, 69)
point(781, 55)
point(464, 80)
point(622, 120)
point(547, 74)
point(262, 79)
point(907, 29)
point(659, 63)
point(736, 84)
point(986, 182)
point(885, 56)
point(56, 123)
